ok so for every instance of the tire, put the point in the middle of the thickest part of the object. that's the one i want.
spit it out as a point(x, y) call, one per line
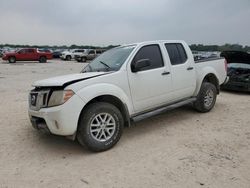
point(91, 132)
point(68, 58)
point(206, 98)
point(12, 59)
point(43, 59)
point(83, 59)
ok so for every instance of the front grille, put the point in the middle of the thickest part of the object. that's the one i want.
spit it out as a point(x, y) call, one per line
point(38, 99)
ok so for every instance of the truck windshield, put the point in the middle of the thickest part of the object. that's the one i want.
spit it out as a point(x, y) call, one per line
point(111, 60)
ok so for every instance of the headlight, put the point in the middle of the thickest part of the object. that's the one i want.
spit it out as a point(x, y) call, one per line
point(59, 97)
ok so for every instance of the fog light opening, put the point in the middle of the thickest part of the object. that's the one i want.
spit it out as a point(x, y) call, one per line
point(56, 124)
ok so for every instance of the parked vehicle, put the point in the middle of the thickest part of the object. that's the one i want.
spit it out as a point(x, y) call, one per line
point(124, 84)
point(197, 55)
point(68, 55)
point(27, 54)
point(1, 53)
point(89, 54)
point(45, 50)
point(205, 55)
point(57, 53)
point(238, 71)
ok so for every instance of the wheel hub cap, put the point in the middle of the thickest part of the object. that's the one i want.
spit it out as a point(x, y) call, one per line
point(102, 127)
point(209, 98)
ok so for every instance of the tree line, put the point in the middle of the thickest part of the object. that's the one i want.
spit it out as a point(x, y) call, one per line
point(194, 47)
point(225, 47)
point(58, 47)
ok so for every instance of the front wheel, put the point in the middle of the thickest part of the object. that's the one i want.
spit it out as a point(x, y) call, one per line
point(100, 126)
point(206, 98)
point(12, 60)
point(68, 58)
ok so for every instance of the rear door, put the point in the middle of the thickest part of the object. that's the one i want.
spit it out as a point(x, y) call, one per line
point(182, 71)
point(32, 54)
point(151, 86)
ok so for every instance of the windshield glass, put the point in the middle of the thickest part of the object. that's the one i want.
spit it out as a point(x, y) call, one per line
point(111, 60)
point(239, 65)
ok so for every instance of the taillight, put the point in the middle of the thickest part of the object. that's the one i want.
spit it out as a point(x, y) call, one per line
point(225, 62)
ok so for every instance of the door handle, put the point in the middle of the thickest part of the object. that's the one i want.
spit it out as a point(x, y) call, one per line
point(165, 73)
point(190, 68)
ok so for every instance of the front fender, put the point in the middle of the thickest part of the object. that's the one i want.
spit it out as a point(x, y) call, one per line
point(92, 91)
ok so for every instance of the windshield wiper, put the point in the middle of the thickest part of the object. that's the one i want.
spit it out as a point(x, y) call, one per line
point(106, 65)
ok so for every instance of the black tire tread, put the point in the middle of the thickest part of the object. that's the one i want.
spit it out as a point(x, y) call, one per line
point(82, 134)
point(199, 103)
point(42, 59)
point(12, 57)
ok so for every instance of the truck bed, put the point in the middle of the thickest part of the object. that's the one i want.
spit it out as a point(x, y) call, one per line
point(208, 59)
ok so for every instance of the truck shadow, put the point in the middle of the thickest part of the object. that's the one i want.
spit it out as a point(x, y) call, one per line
point(60, 145)
point(236, 92)
point(160, 122)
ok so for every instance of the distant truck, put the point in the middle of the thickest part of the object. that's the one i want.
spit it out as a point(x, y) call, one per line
point(27, 54)
point(88, 55)
point(68, 55)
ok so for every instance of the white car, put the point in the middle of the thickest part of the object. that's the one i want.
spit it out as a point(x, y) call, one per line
point(123, 85)
point(68, 55)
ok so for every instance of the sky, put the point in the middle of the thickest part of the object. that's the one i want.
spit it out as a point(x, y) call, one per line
point(105, 22)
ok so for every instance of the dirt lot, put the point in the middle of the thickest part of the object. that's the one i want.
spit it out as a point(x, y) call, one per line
point(181, 148)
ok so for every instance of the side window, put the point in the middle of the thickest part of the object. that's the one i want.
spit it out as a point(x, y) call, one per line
point(30, 51)
point(91, 52)
point(22, 51)
point(151, 52)
point(98, 51)
point(176, 53)
point(82, 51)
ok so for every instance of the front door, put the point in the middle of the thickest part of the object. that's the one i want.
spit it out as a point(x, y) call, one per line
point(151, 86)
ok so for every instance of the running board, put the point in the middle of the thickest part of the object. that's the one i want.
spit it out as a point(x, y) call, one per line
point(161, 110)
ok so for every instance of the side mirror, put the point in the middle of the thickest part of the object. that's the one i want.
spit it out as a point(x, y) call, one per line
point(140, 64)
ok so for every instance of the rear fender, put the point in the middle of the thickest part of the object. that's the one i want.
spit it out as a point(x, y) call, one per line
point(201, 75)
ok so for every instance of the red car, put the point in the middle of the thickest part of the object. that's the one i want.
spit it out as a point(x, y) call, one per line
point(27, 54)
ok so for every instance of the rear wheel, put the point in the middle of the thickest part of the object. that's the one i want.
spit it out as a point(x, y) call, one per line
point(43, 59)
point(100, 126)
point(206, 98)
point(68, 57)
point(83, 59)
point(12, 59)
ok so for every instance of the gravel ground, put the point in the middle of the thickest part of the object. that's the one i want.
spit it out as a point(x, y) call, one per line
point(181, 148)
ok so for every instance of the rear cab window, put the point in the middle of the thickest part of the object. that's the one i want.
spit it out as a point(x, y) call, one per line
point(177, 53)
point(30, 51)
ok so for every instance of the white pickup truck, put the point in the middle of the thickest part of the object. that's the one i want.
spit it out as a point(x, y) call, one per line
point(68, 55)
point(123, 85)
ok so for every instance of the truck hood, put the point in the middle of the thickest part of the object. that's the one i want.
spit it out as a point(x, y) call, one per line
point(67, 79)
point(236, 57)
point(9, 53)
